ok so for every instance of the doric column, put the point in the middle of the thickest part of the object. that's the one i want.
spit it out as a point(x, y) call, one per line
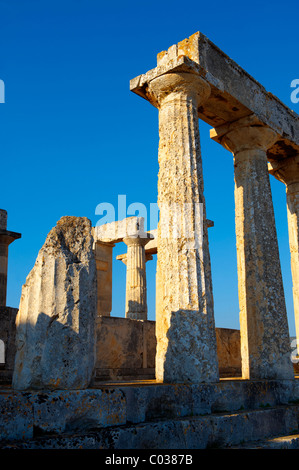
point(6, 238)
point(287, 171)
point(103, 255)
point(136, 292)
point(265, 344)
point(185, 329)
point(105, 237)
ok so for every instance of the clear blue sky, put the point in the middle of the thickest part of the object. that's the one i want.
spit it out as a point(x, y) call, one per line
point(74, 136)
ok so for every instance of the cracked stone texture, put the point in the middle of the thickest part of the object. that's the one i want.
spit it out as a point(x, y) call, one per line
point(55, 336)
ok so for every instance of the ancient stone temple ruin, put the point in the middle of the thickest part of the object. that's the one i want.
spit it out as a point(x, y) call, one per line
point(178, 382)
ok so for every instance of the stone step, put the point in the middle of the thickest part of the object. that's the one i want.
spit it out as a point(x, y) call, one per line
point(279, 442)
point(217, 430)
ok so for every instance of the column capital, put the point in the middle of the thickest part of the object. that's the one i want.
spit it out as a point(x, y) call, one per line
point(138, 239)
point(7, 237)
point(286, 170)
point(246, 134)
point(123, 257)
point(172, 84)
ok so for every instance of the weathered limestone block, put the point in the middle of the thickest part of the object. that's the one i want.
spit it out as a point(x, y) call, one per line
point(265, 343)
point(56, 321)
point(125, 348)
point(287, 171)
point(185, 330)
point(114, 232)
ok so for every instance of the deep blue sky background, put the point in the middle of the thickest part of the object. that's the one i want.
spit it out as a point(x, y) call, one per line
point(73, 135)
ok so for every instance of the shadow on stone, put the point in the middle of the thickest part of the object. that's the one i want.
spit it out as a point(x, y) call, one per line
point(191, 353)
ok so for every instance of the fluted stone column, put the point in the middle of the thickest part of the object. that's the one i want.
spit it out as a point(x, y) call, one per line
point(287, 171)
point(185, 329)
point(265, 344)
point(103, 256)
point(136, 291)
point(6, 238)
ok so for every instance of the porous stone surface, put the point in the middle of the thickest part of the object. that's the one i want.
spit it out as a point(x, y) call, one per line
point(55, 336)
point(185, 329)
point(149, 417)
point(24, 415)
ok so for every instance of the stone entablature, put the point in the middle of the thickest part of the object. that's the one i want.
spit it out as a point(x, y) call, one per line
point(234, 93)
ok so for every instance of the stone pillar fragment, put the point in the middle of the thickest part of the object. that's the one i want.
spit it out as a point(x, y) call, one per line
point(103, 255)
point(136, 291)
point(287, 171)
point(185, 329)
point(55, 336)
point(6, 238)
point(265, 344)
